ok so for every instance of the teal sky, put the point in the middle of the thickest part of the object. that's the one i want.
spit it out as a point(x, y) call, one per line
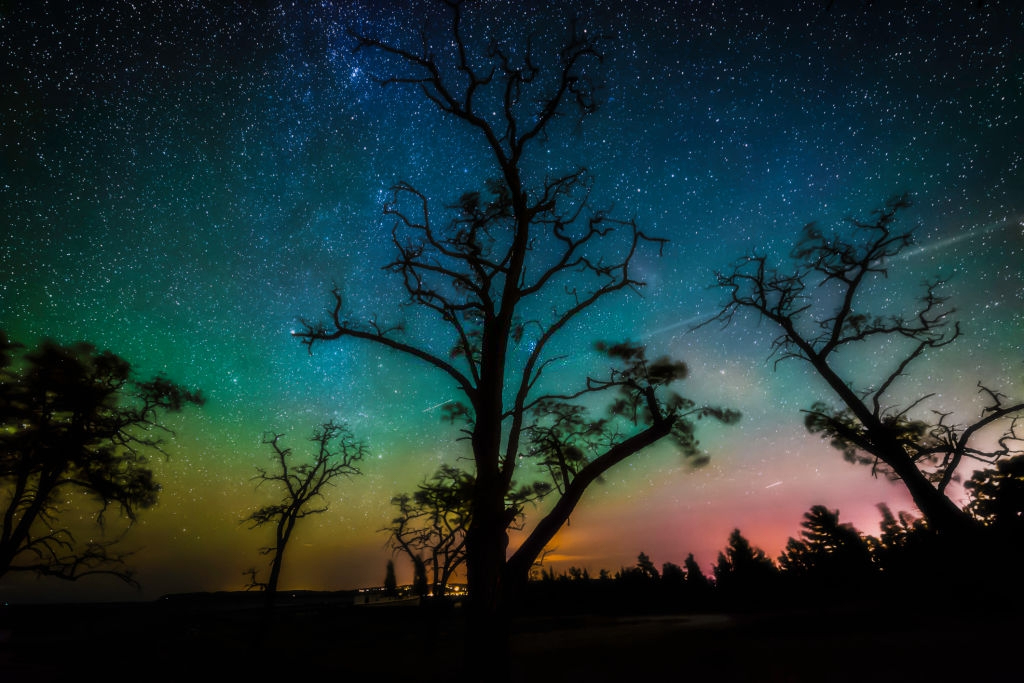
point(182, 183)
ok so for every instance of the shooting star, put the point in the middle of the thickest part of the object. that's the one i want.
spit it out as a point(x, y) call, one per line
point(675, 326)
point(771, 486)
point(950, 241)
point(437, 405)
point(910, 253)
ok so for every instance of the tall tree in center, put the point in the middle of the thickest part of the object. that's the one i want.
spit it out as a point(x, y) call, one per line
point(510, 270)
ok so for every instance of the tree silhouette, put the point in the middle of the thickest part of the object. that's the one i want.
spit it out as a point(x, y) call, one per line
point(896, 533)
point(823, 308)
point(518, 264)
point(744, 574)
point(642, 574)
point(431, 524)
point(997, 495)
point(646, 567)
point(699, 587)
point(73, 421)
point(433, 521)
point(336, 454)
point(672, 574)
point(828, 554)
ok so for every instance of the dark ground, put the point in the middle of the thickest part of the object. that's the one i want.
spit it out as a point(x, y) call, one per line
point(323, 637)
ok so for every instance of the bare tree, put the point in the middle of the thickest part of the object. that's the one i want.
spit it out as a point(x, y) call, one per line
point(433, 521)
point(518, 263)
point(430, 525)
point(824, 307)
point(73, 421)
point(337, 455)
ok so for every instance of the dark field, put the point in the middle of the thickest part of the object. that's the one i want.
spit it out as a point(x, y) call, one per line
point(324, 638)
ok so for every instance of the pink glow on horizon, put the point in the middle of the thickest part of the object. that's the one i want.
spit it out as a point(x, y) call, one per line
point(694, 512)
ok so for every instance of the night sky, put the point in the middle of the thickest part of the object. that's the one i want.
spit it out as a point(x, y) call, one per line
point(183, 181)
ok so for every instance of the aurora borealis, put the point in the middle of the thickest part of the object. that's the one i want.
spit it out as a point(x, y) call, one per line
point(183, 181)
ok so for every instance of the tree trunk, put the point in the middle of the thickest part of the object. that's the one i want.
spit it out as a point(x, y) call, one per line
point(486, 643)
point(284, 531)
point(519, 565)
point(942, 514)
point(486, 640)
point(270, 594)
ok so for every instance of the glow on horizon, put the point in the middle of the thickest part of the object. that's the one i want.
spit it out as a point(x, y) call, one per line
point(184, 210)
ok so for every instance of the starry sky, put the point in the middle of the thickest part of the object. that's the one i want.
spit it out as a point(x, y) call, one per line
point(182, 182)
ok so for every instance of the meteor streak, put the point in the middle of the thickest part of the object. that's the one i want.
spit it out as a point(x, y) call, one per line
point(437, 405)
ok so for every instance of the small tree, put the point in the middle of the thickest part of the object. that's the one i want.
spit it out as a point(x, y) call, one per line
point(823, 308)
point(337, 455)
point(75, 420)
point(646, 567)
point(433, 521)
point(430, 526)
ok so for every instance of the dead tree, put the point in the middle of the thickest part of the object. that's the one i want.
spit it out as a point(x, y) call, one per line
point(824, 307)
point(337, 454)
point(520, 261)
point(431, 524)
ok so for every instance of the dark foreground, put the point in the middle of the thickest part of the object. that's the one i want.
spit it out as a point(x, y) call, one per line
point(325, 637)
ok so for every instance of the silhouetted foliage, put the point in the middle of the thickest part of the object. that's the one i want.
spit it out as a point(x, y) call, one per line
point(997, 495)
point(699, 588)
point(641, 575)
point(824, 307)
point(516, 265)
point(831, 567)
point(646, 567)
point(997, 501)
point(75, 423)
point(828, 555)
point(744, 575)
point(432, 522)
point(337, 454)
point(896, 536)
point(672, 574)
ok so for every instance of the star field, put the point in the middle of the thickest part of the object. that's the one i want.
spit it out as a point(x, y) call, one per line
point(183, 181)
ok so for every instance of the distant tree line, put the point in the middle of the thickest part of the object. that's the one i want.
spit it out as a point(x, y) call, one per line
point(831, 564)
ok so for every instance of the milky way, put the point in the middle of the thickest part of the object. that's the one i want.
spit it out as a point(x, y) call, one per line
point(182, 182)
